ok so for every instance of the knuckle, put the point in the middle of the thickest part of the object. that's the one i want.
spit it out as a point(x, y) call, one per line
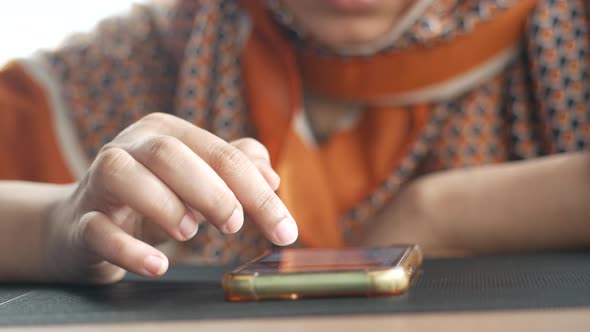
point(218, 202)
point(156, 118)
point(267, 200)
point(157, 121)
point(251, 146)
point(112, 162)
point(170, 208)
point(108, 146)
point(230, 161)
point(162, 149)
point(248, 142)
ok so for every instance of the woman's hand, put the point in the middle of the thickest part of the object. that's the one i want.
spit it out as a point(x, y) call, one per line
point(540, 204)
point(160, 178)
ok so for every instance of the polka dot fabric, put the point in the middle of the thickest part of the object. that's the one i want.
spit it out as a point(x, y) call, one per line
point(447, 19)
point(114, 76)
point(182, 57)
point(560, 57)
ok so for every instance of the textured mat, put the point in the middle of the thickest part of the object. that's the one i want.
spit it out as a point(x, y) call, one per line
point(193, 293)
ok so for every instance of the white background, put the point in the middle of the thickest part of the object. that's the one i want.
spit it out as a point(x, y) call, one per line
point(29, 25)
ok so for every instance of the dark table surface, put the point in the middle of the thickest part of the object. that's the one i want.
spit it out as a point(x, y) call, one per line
point(537, 281)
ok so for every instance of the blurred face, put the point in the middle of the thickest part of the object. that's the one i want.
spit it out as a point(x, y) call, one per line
point(346, 23)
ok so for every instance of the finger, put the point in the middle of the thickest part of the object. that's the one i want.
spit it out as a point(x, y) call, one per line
point(271, 177)
point(117, 175)
point(259, 156)
point(199, 218)
point(191, 178)
point(152, 233)
point(252, 148)
point(251, 189)
point(238, 172)
point(115, 246)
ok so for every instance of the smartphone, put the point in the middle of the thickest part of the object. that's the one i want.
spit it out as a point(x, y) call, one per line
point(291, 274)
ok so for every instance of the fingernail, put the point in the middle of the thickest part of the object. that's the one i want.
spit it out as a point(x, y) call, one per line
point(234, 223)
point(155, 265)
point(286, 232)
point(188, 227)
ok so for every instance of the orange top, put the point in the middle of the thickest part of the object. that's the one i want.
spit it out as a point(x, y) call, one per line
point(28, 145)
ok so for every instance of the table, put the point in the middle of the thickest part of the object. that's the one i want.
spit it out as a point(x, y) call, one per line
point(539, 321)
point(549, 291)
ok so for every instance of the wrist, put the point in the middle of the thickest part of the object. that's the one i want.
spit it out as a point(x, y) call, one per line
point(412, 218)
point(23, 230)
point(429, 202)
point(54, 238)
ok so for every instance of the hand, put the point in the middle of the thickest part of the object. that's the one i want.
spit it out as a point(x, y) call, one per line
point(530, 205)
point(421, 214)
point(160, 176)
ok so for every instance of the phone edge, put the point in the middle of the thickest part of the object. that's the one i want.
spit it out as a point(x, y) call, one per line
point(389, 281)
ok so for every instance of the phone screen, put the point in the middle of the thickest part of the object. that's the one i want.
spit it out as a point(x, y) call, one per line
point(325, 260)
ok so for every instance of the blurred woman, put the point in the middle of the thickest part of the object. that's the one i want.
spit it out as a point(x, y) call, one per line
point(458, 125)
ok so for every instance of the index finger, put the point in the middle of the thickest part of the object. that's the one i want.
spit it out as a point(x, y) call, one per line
point(241, 176)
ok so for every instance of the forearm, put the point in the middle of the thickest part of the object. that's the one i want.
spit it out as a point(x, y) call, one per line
point(530, 205)
point(23, 210)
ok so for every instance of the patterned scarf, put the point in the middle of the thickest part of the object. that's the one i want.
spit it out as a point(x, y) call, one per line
point(187, 58)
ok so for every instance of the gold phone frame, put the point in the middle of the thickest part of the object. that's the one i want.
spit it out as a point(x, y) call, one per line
point(386, 281)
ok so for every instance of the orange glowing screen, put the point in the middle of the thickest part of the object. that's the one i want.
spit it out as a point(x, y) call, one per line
point(325, 260)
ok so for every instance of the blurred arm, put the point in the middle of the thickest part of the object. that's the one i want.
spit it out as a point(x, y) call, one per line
point(529, 205)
